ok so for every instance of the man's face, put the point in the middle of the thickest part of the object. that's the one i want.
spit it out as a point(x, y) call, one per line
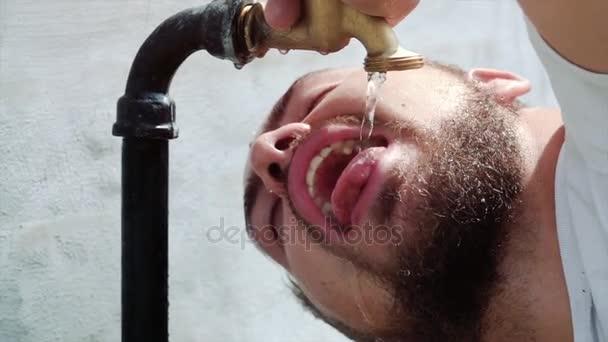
point(395, 236)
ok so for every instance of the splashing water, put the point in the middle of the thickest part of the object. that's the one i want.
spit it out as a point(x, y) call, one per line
point(375, 80)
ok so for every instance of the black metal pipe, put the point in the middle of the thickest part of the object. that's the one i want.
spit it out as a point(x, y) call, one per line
point(145, 225)
point(146, 120)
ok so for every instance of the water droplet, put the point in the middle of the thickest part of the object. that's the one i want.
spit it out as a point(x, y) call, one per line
point(283, 51)
point(375, 82)
point(239, 66)
point(324, 53)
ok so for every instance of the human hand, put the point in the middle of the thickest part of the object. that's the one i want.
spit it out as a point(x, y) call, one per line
point(283, 14)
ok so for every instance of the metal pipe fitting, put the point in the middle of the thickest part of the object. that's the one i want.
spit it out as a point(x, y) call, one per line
point(326, 26)
point(145, 110)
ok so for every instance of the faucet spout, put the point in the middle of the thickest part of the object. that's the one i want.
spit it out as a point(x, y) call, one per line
point(327, 26)
point(384, 53)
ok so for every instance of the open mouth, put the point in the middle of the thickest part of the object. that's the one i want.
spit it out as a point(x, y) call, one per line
point(334, 178)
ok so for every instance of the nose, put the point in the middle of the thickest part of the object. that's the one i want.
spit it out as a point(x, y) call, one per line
point(271, 152)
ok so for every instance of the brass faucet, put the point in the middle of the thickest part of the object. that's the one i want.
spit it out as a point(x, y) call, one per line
point(326, 26)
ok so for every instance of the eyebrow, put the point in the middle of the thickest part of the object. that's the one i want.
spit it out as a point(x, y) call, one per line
point(252, 187)
point(278, 111)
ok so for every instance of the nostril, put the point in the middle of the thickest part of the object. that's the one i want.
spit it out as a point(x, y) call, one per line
point(275, 171)
point(284, 144)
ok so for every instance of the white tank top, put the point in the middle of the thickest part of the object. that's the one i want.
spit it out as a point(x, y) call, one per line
point(581, 189)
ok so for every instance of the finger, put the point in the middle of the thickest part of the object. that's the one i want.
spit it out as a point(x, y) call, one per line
point(282, 14)
point(392, 10)
point(394, 20)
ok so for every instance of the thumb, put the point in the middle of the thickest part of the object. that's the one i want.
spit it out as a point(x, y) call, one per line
point(282, 14)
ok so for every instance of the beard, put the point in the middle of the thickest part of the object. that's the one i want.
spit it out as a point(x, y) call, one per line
point(463, 202)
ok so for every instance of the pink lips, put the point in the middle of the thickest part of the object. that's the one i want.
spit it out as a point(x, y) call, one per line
point(357, 185)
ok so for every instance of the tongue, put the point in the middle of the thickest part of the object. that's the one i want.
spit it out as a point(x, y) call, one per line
point(351, 183)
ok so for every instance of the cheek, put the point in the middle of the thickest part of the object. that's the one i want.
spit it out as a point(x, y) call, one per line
point(335, 286)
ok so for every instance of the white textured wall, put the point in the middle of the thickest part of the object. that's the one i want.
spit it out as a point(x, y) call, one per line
point(63, 64)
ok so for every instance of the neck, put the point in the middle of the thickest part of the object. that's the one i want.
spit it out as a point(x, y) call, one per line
point(531, 301)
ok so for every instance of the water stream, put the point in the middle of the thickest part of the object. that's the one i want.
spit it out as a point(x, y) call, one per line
point(375, 80)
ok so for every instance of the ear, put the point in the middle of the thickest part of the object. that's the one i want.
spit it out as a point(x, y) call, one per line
point(505, 85)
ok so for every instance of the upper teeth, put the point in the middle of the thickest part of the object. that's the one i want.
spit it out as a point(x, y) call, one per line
point(344, 147)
